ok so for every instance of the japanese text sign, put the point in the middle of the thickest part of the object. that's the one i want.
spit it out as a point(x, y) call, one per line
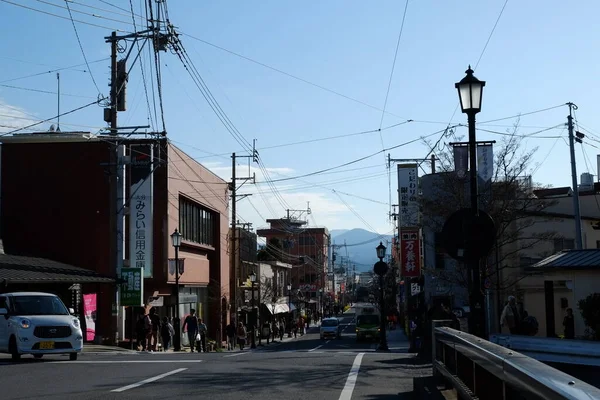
point(410, 250)
point(408, 195)
point(132, 289)
point(141, 209)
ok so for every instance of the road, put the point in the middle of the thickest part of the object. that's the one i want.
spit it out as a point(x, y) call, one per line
point(304, 368)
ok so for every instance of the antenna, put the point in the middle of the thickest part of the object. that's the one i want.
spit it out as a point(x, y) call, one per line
point(58, 114)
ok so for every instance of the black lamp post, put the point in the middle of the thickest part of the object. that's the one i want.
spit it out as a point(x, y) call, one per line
point(380, 268)
point(470, 93)
point(289, 288)
point(253, 328)
point(176, 241)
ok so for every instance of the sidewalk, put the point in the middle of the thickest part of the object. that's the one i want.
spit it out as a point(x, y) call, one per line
point(99, 348)
point(397, 340)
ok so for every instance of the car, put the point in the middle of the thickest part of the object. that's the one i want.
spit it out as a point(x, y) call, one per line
point(38, 324)
point(330, 328)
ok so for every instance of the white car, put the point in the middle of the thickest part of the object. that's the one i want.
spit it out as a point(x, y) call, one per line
point(330, 328)
point(38, 324)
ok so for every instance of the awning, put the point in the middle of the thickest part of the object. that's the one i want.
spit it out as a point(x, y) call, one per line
point(22, 269)
point(279, 308)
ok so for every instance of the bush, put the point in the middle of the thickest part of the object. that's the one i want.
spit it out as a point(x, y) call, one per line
point(590, 311)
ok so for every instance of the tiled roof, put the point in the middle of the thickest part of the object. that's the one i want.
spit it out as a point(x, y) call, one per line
point(21, 269)
point(571, 259)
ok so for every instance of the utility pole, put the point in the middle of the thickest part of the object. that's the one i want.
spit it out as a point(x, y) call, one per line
point(576, 210)
point(233, 254)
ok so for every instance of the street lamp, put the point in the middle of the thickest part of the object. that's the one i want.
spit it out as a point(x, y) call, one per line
point(380, 268)
point(470, 93)
point(289, 288)
point(253, 328)
point(176, 241)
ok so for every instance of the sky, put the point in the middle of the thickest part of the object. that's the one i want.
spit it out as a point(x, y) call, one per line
point(318, 73)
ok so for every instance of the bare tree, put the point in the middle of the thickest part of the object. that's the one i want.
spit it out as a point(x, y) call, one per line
point(510, 201)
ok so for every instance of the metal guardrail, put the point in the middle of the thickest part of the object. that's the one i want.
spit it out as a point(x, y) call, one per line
point(479, 369)
point(568, 351)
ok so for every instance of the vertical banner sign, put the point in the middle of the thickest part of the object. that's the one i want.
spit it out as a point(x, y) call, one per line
point(485, 162)
point(132, 289)
point(141, 209)
point(461, 158)
point(89, 312)
point(410, 242)
point(407, 193)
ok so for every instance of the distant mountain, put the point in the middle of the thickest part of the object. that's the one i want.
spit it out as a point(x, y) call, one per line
point(337, 232)
point(360, 245)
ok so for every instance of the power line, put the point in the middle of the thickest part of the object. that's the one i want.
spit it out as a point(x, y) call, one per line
point(65, 18)
point(81, 46)
point(46, 91)
point(80, 12)
point(54, 70)
point(291, 75)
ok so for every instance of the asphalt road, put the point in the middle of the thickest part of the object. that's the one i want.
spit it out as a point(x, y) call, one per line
point(304, 368)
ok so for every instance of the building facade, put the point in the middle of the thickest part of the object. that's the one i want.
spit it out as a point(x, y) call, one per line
point(57, 203)
point(306, 249)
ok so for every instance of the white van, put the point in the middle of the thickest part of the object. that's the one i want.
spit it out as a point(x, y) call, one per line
point(38, 324)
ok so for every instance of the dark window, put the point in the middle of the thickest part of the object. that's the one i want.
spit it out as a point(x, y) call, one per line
point(196, 223)
point(3, 302)
point(561, 244)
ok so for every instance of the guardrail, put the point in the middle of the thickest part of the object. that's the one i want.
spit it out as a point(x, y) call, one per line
point(567, 351)
point(479, 369)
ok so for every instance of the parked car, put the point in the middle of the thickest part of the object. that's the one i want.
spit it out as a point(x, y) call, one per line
point(38, 324)
point(330, 327)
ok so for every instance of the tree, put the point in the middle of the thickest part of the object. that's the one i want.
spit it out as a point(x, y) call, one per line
point(510, 201)
point(590, 312)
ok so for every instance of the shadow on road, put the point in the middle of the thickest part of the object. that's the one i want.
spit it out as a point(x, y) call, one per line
point(399, 396)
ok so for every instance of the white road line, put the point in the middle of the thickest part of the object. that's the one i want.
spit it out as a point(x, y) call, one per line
point(149, 380)
point(236, 354)
point(316, 348)
point(125, 362)
point(352, 376)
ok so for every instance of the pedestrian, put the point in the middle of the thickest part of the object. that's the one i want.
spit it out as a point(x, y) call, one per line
point(241, 335)
point(281, 329)
point(191, 321)
point(230, 330)
point(166, 332)
point(569, 324)
point(140, 330)
point(202, 332)
point(148, 331)
point(155, 320)
point(510, 316)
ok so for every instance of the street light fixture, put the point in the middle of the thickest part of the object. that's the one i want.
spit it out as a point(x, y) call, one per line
point(253, 328)
point(176, 242)
point(289, 288)
point(470, 93)
point(380, 268)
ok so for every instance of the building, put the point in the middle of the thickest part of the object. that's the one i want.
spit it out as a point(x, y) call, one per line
point(57, 203)
point(306, 249)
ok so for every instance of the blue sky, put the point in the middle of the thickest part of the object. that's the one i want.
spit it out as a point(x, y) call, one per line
point(542, 54)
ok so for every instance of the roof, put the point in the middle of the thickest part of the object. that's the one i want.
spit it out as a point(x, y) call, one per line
point(22, 269)
point(552, 192)
point(571, 259)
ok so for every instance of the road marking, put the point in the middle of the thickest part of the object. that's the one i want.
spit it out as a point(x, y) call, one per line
point(236, 354)
point(352, 376)
point(316, 348)
point(149, 380)
point(124, 362)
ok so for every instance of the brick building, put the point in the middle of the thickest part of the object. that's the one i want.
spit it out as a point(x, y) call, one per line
point(57, 204)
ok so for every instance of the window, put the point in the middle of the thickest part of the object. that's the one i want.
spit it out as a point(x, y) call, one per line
point(561, 244)
point(196, 223)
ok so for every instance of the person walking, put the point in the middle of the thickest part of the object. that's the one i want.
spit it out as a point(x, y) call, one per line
point(510, 316)
point(569, 324)
point(202, 332)
point(230, 330)
point(241, 335)
point(166, 333)
point(191, 321)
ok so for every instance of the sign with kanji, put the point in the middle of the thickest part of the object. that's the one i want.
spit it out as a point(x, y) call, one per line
point(410, 252)
point(140, 208)
point(132, 289)
point(408, 195)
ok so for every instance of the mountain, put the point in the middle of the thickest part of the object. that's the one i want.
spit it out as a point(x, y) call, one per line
point(337, 232)
point(360, 245)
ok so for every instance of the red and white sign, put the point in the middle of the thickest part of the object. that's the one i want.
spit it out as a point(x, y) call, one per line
point(410, 252)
